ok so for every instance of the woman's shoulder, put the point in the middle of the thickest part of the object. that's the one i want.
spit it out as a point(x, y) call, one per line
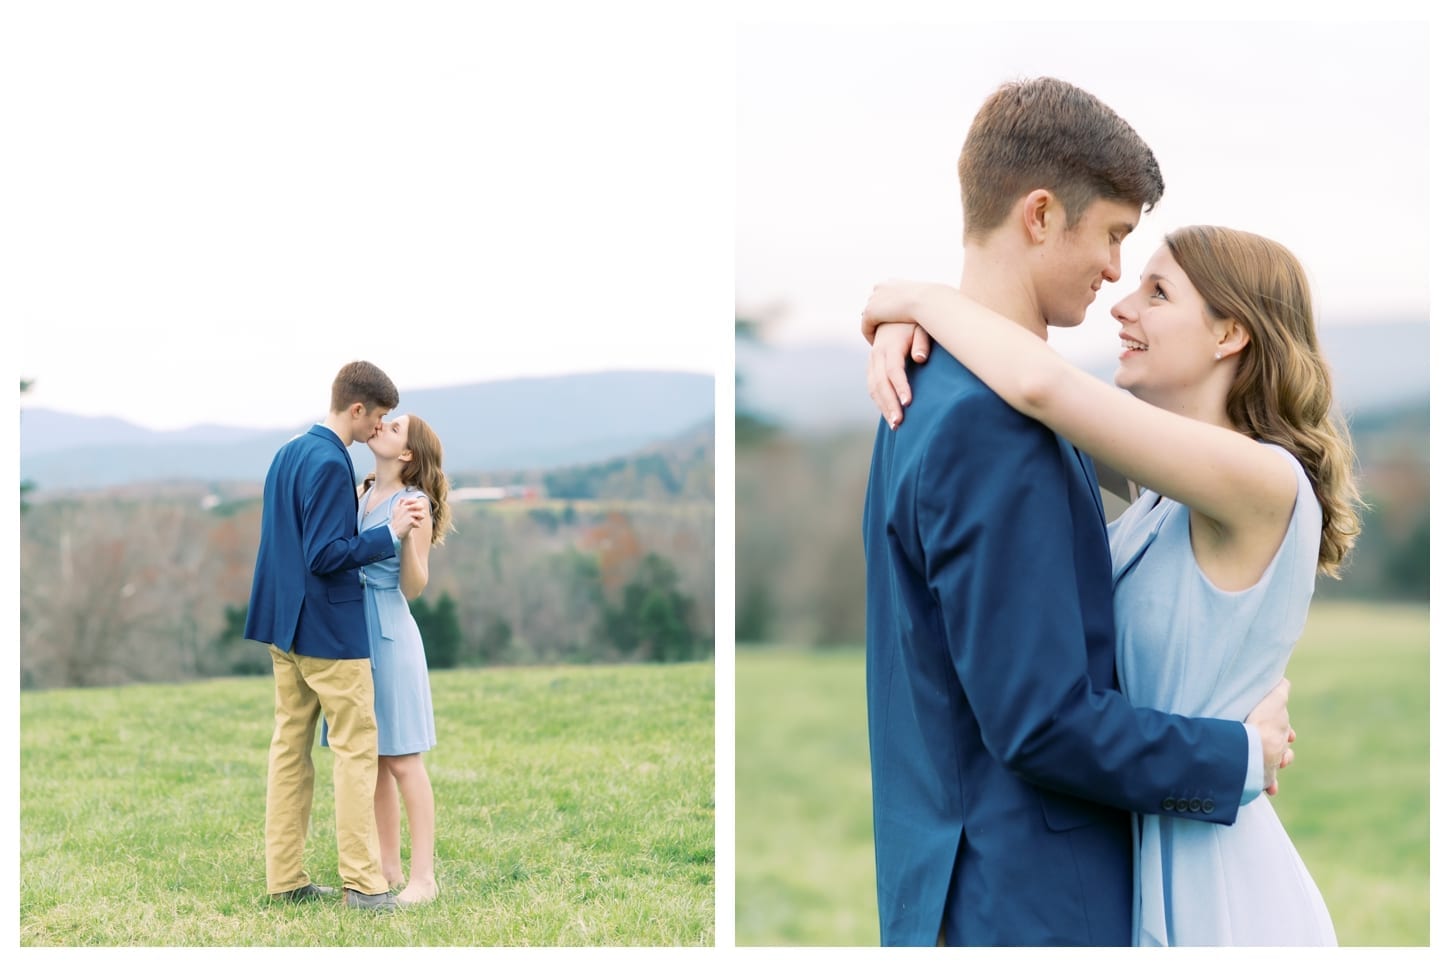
point(1307, 517)
point(1300, 473)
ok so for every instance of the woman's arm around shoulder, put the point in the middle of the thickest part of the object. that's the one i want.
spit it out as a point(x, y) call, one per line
point(1229, 478)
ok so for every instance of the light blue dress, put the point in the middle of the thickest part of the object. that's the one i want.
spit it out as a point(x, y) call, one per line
point(1185, 646)
point(402, 699)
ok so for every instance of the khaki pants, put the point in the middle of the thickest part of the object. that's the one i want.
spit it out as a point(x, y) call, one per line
point(343, 691)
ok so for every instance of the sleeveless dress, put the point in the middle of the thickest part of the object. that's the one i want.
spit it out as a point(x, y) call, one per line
point(402, 699)
point(1185, 646)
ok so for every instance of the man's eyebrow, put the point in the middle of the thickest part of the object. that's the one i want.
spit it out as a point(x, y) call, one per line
point(1124, 227)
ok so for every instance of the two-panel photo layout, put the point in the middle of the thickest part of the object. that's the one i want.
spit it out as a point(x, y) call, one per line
point(409, 556)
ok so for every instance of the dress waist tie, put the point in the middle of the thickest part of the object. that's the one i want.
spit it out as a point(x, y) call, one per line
point(382, 612)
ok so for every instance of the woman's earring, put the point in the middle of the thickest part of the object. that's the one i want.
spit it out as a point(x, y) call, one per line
point(1218, 355)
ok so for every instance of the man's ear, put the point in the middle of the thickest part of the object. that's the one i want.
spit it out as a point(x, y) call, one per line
point(1038, 209)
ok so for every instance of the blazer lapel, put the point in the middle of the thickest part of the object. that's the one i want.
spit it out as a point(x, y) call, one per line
point(352, 478)
point(1090, 474)
point(1085, 467)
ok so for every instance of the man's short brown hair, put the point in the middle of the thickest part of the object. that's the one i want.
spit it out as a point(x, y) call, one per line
point(362, 382)
point(1046, 133)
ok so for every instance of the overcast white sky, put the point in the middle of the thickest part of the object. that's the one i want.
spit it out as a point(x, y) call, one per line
point(214, 206)
point(1315, 134)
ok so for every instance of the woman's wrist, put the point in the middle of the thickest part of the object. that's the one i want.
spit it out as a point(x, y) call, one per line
point(930, 302)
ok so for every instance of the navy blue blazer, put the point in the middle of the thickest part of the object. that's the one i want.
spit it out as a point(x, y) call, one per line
point(1004, 760)
point(307, 593)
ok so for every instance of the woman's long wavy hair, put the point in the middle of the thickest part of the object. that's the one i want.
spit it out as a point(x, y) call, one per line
point(1281, 393)
point(425, 472)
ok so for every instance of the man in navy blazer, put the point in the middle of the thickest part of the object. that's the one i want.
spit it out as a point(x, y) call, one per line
point(307, 605)
point(1004, 761)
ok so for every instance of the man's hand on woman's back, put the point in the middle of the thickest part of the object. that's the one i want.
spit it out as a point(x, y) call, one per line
point(1271, 718)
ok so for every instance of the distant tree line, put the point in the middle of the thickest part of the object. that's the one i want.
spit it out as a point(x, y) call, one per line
point(25, 485)
point(752, 429)
point(683, 470)
point(800, 567)
point(588, 483)
point(117, 591)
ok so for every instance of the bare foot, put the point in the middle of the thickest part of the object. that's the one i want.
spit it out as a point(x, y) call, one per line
point(417, 892)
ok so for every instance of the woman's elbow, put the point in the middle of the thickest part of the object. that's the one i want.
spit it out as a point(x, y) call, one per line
point(1035, 390)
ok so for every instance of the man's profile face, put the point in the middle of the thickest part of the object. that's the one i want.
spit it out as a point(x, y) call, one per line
point(368, 422)
point(1080, 259)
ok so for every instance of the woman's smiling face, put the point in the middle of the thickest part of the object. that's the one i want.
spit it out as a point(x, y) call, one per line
point(1168, 341)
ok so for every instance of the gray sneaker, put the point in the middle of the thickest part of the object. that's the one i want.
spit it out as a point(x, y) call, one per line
point(381, 902)
point(309, 891)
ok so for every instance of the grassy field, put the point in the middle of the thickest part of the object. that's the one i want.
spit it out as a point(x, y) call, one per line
point(1356, 800)
point(575, 807)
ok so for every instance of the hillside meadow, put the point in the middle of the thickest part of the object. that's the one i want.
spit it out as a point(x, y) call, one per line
point(575, 807)
point(1355, 801)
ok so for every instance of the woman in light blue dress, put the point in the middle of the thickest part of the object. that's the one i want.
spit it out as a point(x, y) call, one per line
point(409, 467)
point(1248, 494)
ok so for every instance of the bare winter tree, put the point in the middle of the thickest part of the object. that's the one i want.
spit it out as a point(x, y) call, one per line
point(111, 593)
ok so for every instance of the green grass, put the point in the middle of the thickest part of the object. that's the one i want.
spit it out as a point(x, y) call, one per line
point(575, 808)
point(1357, 798)
point(1355, 801)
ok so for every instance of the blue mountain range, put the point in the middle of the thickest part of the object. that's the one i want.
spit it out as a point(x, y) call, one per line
point(1374, 366)
point(502, 425)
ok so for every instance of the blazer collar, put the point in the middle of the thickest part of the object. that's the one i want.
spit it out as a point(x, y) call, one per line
point(326, 433)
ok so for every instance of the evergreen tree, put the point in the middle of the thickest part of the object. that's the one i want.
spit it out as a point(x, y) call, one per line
point(442, 634)
point(652, 621)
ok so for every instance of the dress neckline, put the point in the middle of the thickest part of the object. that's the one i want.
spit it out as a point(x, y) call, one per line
point(367, 511)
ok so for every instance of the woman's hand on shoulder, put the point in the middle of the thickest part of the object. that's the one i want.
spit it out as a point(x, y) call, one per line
point(889, 324)
point(886, 369)
point(897, 300)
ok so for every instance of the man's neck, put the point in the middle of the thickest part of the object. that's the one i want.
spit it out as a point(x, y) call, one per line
point(997, 278)
point(340, 424)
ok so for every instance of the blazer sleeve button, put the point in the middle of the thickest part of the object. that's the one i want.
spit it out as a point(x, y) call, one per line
point(1169, 804)
point(1195, 804)
point(1207, 806)
point(1181, 805)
